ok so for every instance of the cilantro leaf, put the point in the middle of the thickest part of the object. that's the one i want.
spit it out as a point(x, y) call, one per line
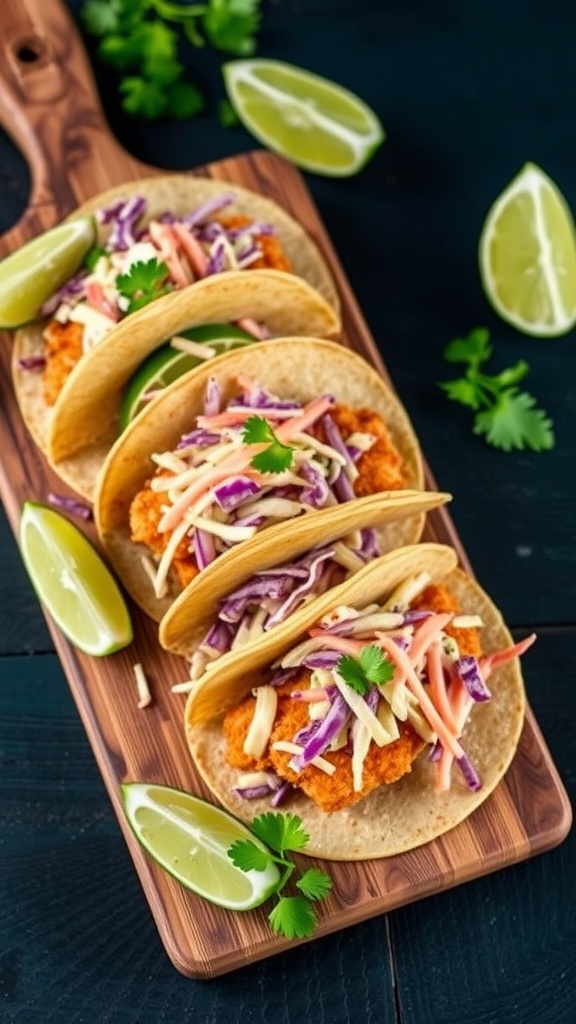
point(226, 114)
point(474, 349)
point(141, 97)
point(463, 390)
point(277, 457)
point(314, 884)
point(505, 416)
point(375, 664)
point(143, 283)
point(245, 855)
point(513, 422)
point(100, 17)
point(280, 831)
point(293, 917)
point(370, 667)
point(352, 673)
point(231, 25)
point(137, 38)
point(121, 51)
point(93, 255)
point(184, 100)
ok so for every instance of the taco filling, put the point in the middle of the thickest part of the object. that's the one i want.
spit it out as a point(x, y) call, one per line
point(138, 264)
point(351, 707)
point(256, 461)
point(272, 595)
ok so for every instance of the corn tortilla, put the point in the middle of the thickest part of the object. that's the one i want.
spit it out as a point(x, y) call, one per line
point(300, 368)
point(394, 818)
point(178, 193)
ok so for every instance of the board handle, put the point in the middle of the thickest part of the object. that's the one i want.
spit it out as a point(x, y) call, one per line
point(49, 106)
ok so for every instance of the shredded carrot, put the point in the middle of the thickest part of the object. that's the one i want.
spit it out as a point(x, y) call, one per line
point(228, 418)
point(238, 461)
point(285, 431)
point(437, 686)
point(441, 728)
point(95, 297)
point(298, 424)
point(235, 463)
point(460, 702)
point(314, 695)
point(247, 323)
point(192, 250)
point(488, 662)
point(426, 633)
point(339, 643)
point(167, 243)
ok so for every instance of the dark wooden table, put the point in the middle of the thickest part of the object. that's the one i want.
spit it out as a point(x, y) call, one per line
point(468, 93)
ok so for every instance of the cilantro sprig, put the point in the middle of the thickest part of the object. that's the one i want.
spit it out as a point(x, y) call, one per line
point(137, 38)
point(144, 282)
point(277, 457)
point(506, 416)
point(369, 668)
point(293, 915)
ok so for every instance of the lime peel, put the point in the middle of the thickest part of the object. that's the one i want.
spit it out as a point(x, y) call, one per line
point(168, 362)
point(31, 274)
point(318, 125)
point(190, 838)
point(527, 256)
point(72, 581)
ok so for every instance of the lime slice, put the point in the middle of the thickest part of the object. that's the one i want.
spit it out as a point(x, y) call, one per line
point(189, 838)
point(167, 363)
point(315, 123)
point(528, 256)
point(33, 273)
point(72, 581)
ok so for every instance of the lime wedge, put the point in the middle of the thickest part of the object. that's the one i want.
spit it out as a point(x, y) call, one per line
point(167, 363)
point(72, 581)
point(189, 838)
point(527, 256)
point(33, 273)
point(313, 122)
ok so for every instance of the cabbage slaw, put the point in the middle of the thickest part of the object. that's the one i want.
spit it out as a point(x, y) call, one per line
point(212, 497)
point(433, 687)
point(187, 248)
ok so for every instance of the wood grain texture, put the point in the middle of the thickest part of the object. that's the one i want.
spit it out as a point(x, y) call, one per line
point(202, 941)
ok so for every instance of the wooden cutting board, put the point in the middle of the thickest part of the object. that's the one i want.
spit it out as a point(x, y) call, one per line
point(48, 104)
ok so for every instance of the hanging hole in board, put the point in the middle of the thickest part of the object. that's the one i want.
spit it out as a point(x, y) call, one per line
point(30, 51)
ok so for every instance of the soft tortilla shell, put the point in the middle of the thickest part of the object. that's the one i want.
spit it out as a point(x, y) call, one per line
point(398, 516)
point(178, 193)
point(80, 428)
point(410, 812)
point(289, 367)
point(285, 303)
point(182, 193)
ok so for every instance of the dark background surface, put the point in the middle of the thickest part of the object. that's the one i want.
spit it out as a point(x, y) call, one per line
point(467, 93)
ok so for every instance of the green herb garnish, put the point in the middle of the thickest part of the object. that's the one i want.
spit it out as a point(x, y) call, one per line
point(369, 668)
point(93, 256)
point(277, 457)
point(144, 282)
point(504, 414)
point(292, 916)
point(137, 38)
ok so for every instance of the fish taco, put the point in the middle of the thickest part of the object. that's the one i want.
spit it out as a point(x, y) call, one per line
point(154, 236)
point(213, 616)
point(383, 713)
point(242, 446)
point(77, 431)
